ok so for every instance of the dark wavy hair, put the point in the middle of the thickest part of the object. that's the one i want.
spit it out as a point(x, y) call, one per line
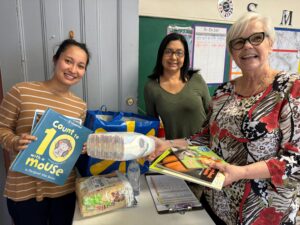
point(68, 43)
point(185, 72)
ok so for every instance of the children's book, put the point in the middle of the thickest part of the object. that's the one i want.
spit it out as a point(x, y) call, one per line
point(38, 114)
point(187, 164)
point(52, 156)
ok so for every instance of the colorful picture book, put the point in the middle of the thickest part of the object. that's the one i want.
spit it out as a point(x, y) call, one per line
point(59, 144)
point(187, 164)
point(38, 114)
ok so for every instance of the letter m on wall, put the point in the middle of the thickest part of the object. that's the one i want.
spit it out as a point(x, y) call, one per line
point(286, 17)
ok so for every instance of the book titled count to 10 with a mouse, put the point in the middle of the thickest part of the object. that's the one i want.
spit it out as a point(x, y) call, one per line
point(53, 155)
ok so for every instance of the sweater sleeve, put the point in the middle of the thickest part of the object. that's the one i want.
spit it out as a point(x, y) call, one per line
point(285, 167)
point(149, 100)
point(205, 94)
point(9, 111)
point(202, 137)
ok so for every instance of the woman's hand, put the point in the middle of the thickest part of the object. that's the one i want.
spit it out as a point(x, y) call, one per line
point(232, 173)
point(21, 142)
point(84, 149)
point(160, 146)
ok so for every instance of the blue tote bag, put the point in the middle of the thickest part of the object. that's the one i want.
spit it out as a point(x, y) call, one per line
point(108, 121)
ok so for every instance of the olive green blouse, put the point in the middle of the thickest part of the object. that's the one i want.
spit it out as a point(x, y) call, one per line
point(183, 113)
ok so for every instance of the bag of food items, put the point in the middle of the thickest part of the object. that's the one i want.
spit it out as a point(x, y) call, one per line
point(100, 194)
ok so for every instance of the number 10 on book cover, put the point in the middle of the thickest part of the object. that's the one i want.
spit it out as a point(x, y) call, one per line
point(53, 155)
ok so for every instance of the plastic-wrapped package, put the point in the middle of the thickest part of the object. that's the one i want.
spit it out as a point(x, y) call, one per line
point(119, 146)
point(100, 194)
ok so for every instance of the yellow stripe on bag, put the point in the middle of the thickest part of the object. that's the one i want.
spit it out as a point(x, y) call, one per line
point(100, 166)
point(100, 130)
point(151, 132)
point(122, 167)
point(130, 126)
point(141, 161)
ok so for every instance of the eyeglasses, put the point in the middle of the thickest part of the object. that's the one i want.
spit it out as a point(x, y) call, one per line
point(254, 39)
point(178, 53)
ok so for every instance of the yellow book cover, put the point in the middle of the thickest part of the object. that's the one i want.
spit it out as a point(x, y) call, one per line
point(187, 164)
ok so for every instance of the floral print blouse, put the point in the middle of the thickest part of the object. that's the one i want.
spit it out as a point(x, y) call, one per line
point(244, 130)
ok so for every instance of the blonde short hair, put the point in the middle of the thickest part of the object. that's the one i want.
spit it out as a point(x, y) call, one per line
point(242, 24)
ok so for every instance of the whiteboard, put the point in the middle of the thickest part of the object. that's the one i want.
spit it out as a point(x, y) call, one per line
point(210, 52)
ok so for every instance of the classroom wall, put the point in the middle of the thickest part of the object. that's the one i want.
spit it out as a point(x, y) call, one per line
point(207, 10)
point(156, 15)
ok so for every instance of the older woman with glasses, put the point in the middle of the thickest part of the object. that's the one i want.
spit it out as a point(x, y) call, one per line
point(176, 94)
point(254, 124)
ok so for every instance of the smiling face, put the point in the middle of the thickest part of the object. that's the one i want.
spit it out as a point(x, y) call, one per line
point(70, 66)
point(173, 57)
point(253, 58)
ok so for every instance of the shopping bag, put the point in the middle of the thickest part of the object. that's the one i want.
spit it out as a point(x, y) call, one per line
point(109, 121)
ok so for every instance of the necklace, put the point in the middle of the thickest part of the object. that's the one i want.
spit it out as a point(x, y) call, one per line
point(241, 103)
point(252, 97)
point(259, 86)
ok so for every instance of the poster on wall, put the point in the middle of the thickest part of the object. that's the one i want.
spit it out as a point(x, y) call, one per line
point(235, 71)
point(188, 33)
point(210, 52)
point(285, 53)
point(286, 50)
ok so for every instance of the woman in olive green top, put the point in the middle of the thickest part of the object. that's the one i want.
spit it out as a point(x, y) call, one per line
point(177, 95)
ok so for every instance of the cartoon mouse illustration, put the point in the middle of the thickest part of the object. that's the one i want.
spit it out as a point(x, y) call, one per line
point(62, 148)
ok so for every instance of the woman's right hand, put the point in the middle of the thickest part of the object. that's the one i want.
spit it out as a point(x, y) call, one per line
point(21, 142)
point(160, 146)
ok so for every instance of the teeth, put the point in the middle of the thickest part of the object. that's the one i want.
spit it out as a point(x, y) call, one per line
point(68, 76)
point(248, 56)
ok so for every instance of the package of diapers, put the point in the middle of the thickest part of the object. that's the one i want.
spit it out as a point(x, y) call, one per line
point(119, 146)
point(100, 194)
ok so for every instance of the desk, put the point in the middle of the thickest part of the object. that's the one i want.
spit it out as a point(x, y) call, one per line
point(143, 214)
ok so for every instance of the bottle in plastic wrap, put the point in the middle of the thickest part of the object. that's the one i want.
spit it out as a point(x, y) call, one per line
point(133, 175)
point(119, 146)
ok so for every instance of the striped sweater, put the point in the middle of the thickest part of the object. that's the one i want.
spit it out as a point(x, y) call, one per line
point(16, 115)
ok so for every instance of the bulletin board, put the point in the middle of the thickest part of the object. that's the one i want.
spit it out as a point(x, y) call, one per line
point(151, 32)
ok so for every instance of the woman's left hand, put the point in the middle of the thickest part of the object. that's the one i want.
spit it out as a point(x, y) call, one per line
point(21, 142)
point(232, 173)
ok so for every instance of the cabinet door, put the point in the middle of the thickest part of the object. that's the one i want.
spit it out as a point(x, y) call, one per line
point(111, 31)
point(5, 153)
point(109, 28)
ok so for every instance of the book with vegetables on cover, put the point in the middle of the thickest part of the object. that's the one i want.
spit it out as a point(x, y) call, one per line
point(187, 164)
point(52, 156)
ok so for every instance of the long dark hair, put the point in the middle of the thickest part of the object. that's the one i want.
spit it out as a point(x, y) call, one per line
point(185, 72)
point(68, 43)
